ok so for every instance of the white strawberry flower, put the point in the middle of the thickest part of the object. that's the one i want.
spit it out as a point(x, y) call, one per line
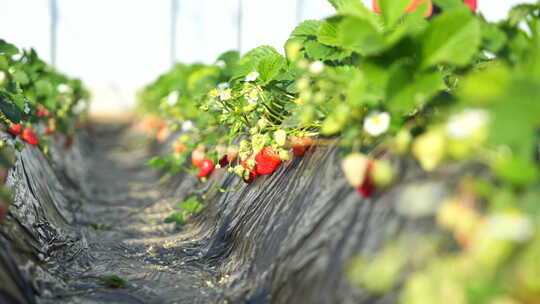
point(223, 86)
point(172, 98)
point(187, 125)
point(377, 123)
point(64, 89)
point(252, 76)
point(80, 107)
point(252, 97)
point(463, 125)
point(316, 67)
point(2, 77)
point(225, 94)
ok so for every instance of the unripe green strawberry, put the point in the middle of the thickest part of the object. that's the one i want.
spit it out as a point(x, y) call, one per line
point(280, 136)
point(383, 173)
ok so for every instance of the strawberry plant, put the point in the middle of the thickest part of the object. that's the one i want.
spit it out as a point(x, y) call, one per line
point(450, 90)
point(189, 208)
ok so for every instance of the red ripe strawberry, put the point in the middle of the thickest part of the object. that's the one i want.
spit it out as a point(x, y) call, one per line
point(15, 129)
point(472, 4)
point(267, 161)
point(224, 161)
point(206, 167)
point(162, 134)
point(412, 7)
point(42, 112)
point(180, 149)
point(29, 136)
point(197, 157)
point(68, 142)
point(252, 171)
point(300, 145)
point(48, 131)
point(368, 186)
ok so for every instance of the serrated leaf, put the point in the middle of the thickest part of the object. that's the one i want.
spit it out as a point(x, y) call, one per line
point(191, 205)
point(307, 28)
point(453, 38)
point(270, 67)
point(392, 10)
point(354, 8)
point(230, 58)
point(328, 34)
point(252, 60)
point(360, 36)
point(177, 218)
point(8, 108)
point(317, 50)
point(7, 48)
point(407, 91)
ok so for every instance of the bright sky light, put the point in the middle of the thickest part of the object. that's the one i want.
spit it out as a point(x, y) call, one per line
point(127, 42)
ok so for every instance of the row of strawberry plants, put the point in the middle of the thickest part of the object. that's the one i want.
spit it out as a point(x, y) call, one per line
point(36, 102)
point(452, 90)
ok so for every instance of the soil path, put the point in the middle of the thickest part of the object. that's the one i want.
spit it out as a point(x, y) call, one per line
point(137, 246)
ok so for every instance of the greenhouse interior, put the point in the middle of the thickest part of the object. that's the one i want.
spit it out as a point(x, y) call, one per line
point(257, 151)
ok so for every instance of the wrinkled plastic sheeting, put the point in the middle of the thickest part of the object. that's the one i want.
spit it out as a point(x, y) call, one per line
point(285, 238)
point(38, 228)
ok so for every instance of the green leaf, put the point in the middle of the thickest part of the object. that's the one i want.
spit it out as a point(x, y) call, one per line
point(520, 12)
point(393, 10)
point(191, 205)
point(517, 171)
point(230, 58)
point(265, 60)
point(367, 86)
point(317, 50)
point(493, 38)
point(177, 218)
point(7, 48)
point(447, 5)
point(156, 162)
point(44, 88)
point(271, 66)
point(453, 38)
point(361, 36)
point(354, 8)
point(4, 64)
point(407, 91)
point(21, 77)
point(485, 86)
point(307, 28)
point(114, 281)
point(328, 33)
point(516, 117)
point(8, 108)
point(97, 226)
